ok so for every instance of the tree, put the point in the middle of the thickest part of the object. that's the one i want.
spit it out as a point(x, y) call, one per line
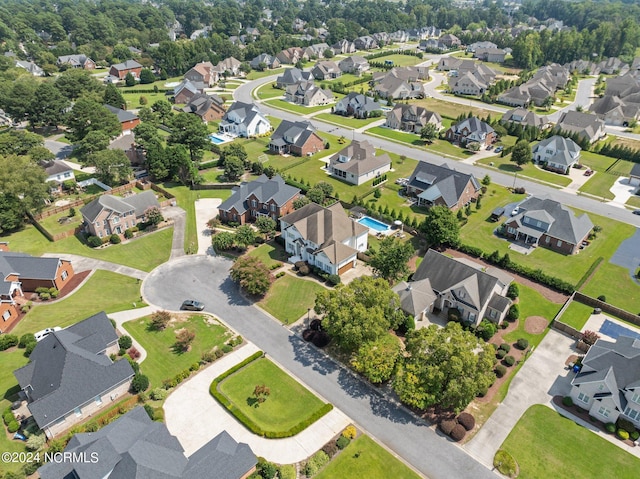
point(440, 227)
point(429, 132)
point(153, 215)
point(316, 195)
point(234, 150)
point(40, 153)
point(521, 154)
point(376, 360)
point(163, 109)
point(139, 383)
point(190, 131)
point(486, 180)
point(129, 79)
point(112, 166)
point(252, 275)
point(147, 76)
point(77, 82)
point(48, 106)
point(146, 134)
point(114, 98)
point(390, 260)
point(445, 367)
point(223, 241)
point(266, 225)
point(22, 189)
point(245, 236)
point(261, 393)
point(89, 115)
point(326, 188)
point(360, 312)
point(184, 338)
point(300, 202)
point(233, 168)
point(179, 164)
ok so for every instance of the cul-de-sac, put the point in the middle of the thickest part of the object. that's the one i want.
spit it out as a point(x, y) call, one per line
point(328, 239)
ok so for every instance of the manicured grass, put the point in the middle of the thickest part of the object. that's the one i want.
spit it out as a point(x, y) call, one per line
point(186, 200)
point(576, 315)
point(400, 60)
point(104, 291)
point(254, 75)
point(397, 135)
point(453, 110)
point(546, 444)
point(289, 298)
point(600, 185)
point(365, 458)
point(348, 122)
point(162, 361)
point(267, 91)
point(634, 201)
point(288, 404)
point(344, 78)
point(11, 360)
point(270, 254)
point(54, 226)
point(304, 110)
point(133, 99)
point(616, 284)
point(505, 165)
point(532, 303)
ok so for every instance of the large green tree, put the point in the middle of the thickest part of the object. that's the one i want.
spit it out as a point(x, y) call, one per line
point(112, 166)
point(48, 106)
point(190, 131)
point(19, 142)
point(16, 97)
point(252, 275)
point(114, 98)
point(76, 82)
point(360, 312)
point(440, 227)
point(22, 189)
point(390, 259)
point(445, 367)
point(377, 359)
point(521, 154)
point(88, 115)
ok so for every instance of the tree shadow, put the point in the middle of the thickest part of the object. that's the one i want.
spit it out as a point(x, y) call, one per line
point(253, 402)
point(232, 292)
point(307, 355)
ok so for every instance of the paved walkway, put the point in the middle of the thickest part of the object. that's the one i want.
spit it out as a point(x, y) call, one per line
point(129, 315)
point(82, 263)
point(206, 208)
point(193, 395)
point(542, 376)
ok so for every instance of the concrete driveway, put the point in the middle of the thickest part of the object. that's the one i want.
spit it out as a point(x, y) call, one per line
point(206, 208)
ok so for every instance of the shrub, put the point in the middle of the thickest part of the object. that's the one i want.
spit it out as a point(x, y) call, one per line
point(315, 463)
point(160, 319)
point(625, 425)
point(514, 313)
point(115, 239)
point(500, 370)
point(13, 426)
point(125, 342)
point(268, 470)
point(321, 339)
point(513, 292)
point(158, 394)
point(567, 401)
point(303, 270)
point(208, 357)
point(334, 280)
point(447, 426)
point(287, 471)
point(226, 348)
point(486, 329)
point(458, 433)
point(26, 339)
point(350, 432)
point(139, 383)
point(330, 448)
point(505, 463)
point(342, 442)
point(8, 340)
point(610, 427)
point(522, 344)
point(308, 335)
point(149, 409)
point(45, 296)
point(505, 347)
point(500, 353)
point(590, 337)
point(602, 298)
point(29, 348)
point(280, 274)
point(128, 234)
point(94, 241)
point(509, 360)
point(622, 434)
point(8, 417)
point(133, 352)
point(454, 315)
point(194, 367)
point(634, 435)
point(467, 420)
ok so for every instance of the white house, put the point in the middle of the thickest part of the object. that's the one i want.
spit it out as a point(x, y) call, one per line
point(357, 163)
point(244, 119)
point(57, 171)
point(323, 237)
point(557, 153)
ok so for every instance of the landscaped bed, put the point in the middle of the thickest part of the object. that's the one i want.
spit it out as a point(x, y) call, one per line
point(274, 414)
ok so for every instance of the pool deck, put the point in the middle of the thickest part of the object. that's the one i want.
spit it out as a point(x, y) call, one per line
point(373, 231)
point(595, 322)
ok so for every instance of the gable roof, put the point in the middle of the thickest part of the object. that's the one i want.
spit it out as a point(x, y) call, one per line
point(415, 296)
point(440, 182)
point(265, 189)
point(635, 170)
point(581, 123)
point(360, 158)
point(66, 369)
point(128, 65)
point(123, 115)
point(246, 112)
point(54, 167)
point(136, 203)
point(27, 267)
point(292, 75)
point(524, 117)
point(566, 150)
point(293, 132)
point(473, 125)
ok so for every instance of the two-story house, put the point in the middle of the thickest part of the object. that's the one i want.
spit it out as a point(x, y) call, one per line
point(307, 93)
point(120, 70)
point(471, 130)
point(435, 185)
point(264, 60)
point(358, 163)
point(207, 107)
point(326, 70)
point(245, 120)
point(324, 237)
point(354, 64)
point(262, 196)
point(557, 153)
point(412, 118)
point(587, 126)
point(202, 72)
point(297, 138)
point(291, 76)
point(128, 120)
point(76, 61)
point(356, 105)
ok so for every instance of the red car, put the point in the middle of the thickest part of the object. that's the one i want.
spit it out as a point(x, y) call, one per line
point(588, 173)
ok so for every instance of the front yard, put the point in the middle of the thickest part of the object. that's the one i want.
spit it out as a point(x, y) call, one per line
point(505, 165)
point(289, 298)
point(295, 108)
point(346, 121)
point(270, 254)
point(600, 184)
point(546, 444)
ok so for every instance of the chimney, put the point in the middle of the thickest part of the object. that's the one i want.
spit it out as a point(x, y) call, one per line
point(4, 246)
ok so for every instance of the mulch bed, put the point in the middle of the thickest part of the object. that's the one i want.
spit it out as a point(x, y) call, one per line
point(73, 283)
point(535, 324)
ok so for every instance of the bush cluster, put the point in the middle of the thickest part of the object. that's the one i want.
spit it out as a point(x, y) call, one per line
point(125, 342)
point(177, 379)
point(139, 383)
point(94, 241)
point(315, 463)
point(467, 420)
point(8, 340)
point(522, 344)
point(622, 434)
point(342, 442)
point(509, 360)
point(500, 370)
point(350, 432)
point(500, 353)
point(505, 347)
point(158, 394)
point(610, 427)
point(280, 274)
point(567, 401)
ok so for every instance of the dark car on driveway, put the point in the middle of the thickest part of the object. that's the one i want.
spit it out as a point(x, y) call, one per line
point(636, 212)
point(192, 305)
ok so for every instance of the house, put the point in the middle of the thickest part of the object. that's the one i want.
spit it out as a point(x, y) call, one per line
point(354, 64)
point(538, 89)
point(202, 73)
point(21, 272)
point(31, 67)
point(128, 121)
point(269, 62)
point(186, 90)
point(324, 237)
point(479, 46)
point(317, 50)
point(525, 118)
point(357, 105)
point(127, 144)
point(76, 61)
point(557, 154)
point(382, 38)
point(308, 93)
point(365, 43)
point(431, 45)
point(468, 84)
point(612, 65)
point(357, 163)
point(412, 118)
point(244, 119)
point(399, 36)
point(343, 47)
point(517, 96)
point(133, 446)
point(494, 55)
point(393, 87)
point(108, 214)
point(292, 76)
point(449, 63)
point(623, 85)
point(450, 40)
point(230, 66)
point(471, 130)
point(608, 384)
point(120, 70)
point(292, 55)
point(443, 283)
point(57, 171)
point(435, 185)
point(207, 107)
point(70, 377)
point(326, 70)
point(297, 138)
point(546, 222)
point(262, 196)
point(587, 126)
point(614, 110)
point(634, 176)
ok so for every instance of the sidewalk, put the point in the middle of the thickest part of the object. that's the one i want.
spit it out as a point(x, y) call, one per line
point(193, 395)
point(81, 263)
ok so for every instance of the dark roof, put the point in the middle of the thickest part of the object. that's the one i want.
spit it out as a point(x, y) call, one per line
point(123, 115)
point(635, 170)
point(416, 296)
point(27, 267)
point(135, 447)
point(446, 183)
point(54, 167)
point(128, 65)
point(293, 75)
point(264, 188)
point(293, 132)
point(136, 203)
point(66, 369)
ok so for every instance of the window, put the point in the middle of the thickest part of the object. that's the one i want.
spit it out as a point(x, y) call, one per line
point(98, 400)
point(636, 398)
point(632, 413)
point(100, 234)
point(539, 224)
point(582, 397)
point(559, 243)
point(6, 315)
point(604, 412)
point(547, 239)
point(254, 204)
point(273, 206)
point(493, 314)
point(105, 223)
point(78, 411)
point(64, 275)
point(116, 219)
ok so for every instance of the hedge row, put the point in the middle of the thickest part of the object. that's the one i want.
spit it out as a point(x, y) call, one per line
point(589, 272)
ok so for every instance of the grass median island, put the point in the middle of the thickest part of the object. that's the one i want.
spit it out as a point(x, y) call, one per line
point(288, 409)
point(546, 444)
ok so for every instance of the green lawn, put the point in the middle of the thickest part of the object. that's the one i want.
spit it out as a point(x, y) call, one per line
point(576, 315)
point(634, 201)
point(348, 122)
point(290, 297)
point(267, 91)
point(104, 291)
point(280, 412)
point(505, 165)
point(600, 183)
point(616, 284)
point(54, 225)
point(344, 78)
point(292, 107)
point(400, 60)
point(397, 135)
point(11, 360)
point(545, 445)
point(254, 75)
point(270, 254)
point(162, 361)
point(454, 110)
point(133, 99)
point(365, 458)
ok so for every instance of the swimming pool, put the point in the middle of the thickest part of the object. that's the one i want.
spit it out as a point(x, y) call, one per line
point(614, 330)
point(374, 224)
point(217, 140)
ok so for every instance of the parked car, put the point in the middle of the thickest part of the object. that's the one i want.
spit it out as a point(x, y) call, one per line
point(40, 335)
point(515, 211)
point(490, 147)
point(499, 149)
point(589, 172)
point(192, 305)
point(636, 212)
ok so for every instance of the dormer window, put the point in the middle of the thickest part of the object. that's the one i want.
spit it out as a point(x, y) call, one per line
point(636, 398)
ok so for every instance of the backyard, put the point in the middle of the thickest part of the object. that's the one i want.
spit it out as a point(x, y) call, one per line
point(576, 315)
point(616, 284)
point(454, 110)
point(278, 413)
point(163, 361)
point(289, 298)
point(104, 291)
point(546, 444)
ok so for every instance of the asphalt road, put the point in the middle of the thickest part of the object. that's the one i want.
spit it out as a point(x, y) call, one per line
point(206, 279)
point(243, 93)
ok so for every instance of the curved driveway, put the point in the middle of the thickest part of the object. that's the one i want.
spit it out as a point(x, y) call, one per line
point(207, 279)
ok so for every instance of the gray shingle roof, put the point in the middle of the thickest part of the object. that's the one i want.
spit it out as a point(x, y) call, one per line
point(360, 158)
point(293, 132)
point(635, 170)
point(415, 296)
point(264, 188)
point(54, 167)
point(28, 267)
point(230, 460)
point(449, 184)
point(66, 371)
point(128, 65)
point(123, 115)
point(135, 203)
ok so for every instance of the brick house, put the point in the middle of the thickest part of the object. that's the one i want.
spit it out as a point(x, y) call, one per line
point(296, 138)
point(76, 61)
point(471, 130)
point(262, 196)
point(202, 72)
point(435, 185)
point(207, 107)
point(120, 70)
point(412, 118)
point(128, 121)
point(21, 272)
